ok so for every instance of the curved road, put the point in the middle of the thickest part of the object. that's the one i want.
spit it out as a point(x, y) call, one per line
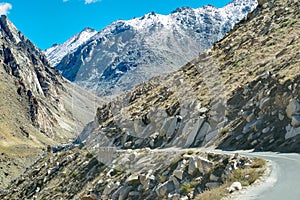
point(282, 182)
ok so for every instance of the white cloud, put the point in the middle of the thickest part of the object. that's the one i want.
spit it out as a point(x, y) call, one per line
point(85, 1)
point(91, 1)
point(5, 8)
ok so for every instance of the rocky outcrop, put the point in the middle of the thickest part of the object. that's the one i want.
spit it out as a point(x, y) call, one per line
point(264, 111)
point(35, 79)
point(177, 119)
point(138, 174)
point(272, 108)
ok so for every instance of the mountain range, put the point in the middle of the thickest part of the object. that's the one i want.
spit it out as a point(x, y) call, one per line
point(128, 52)
point(242, 93)
point(149, 142)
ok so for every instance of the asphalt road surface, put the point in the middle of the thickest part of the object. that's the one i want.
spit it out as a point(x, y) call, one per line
point(283, 182)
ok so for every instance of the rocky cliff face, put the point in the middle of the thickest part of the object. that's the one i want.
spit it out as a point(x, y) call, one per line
point(126, 53)
point(34, 78)
point(42, 86)
point(35, 102)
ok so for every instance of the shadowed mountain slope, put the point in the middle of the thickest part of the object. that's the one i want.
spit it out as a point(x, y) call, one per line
point(38, 106)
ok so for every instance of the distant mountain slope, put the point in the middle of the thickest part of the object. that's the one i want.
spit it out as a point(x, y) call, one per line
point(56, 53)
point(38, 106)
point(126, 53)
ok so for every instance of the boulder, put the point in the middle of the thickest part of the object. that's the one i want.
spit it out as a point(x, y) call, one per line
point(89, 197)
point(192, 165)
point(212, 185)
point(205, 127)
point(291, 131)
point(133, 194)
point(163, 189)
point(124, 191)
point(280, 116)
point(266, 130)
point(293, 108)
point(295, 121)
point(175, 181)
point(213, 178)
point(174, 196)
point(211, 135)
point(193, 132)
point(204, 165)
point(110, 188)
point(254, 142)
point(132, 179)
point(178, 174)
point(235, 186)
point(250, 117)
point(143, 179)
point(168, 126)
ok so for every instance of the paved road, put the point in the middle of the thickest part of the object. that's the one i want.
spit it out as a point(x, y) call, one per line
point(283, 182)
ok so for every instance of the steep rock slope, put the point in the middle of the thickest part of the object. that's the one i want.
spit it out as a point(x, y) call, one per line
point(126, 53)
point(242, 93)
point(36, 103)
point(138, 174)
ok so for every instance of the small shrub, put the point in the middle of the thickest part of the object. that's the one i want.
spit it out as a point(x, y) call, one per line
point(89, 155)
point(288, 23)
point(190, 152)
point(185, 188)
point(74, 174)
point(258, 163)
point(162, 179)
point(223, 131)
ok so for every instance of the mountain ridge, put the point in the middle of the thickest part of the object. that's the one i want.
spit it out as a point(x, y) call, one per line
point(128, 52)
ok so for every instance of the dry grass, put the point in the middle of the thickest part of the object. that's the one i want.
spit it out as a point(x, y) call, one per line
point(213, 194)
point(245, 176)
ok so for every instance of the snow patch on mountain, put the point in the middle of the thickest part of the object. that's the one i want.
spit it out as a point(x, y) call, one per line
point(57, 52)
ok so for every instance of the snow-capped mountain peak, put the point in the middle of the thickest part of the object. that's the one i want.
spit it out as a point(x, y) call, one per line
point(149, 20)
point(127, 52)
point(57, 52)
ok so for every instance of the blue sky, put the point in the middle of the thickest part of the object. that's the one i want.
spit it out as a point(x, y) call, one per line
point(46, 22)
